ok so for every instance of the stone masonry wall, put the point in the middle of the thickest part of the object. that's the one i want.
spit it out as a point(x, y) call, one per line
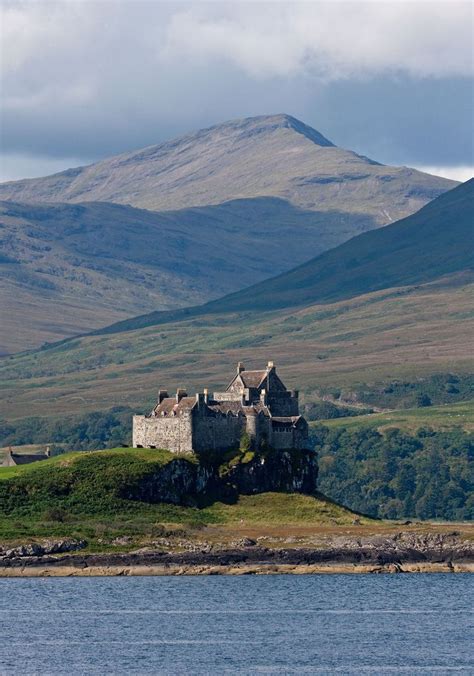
point(173, 433)
point(217, 432)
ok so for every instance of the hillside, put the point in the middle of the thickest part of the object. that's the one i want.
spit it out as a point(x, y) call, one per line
point(232, 205)
point(419, 326)
point(130, 491)
point(405, 333)
point(270, 156)
point(434, 242)
point(93, 513)
point(70, 268)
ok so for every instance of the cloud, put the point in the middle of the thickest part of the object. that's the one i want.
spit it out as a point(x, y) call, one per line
point(455, 173)
point(331, 40)
point(86, 79)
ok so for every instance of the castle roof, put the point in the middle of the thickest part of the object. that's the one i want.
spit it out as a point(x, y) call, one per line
point(236, 406)
point(285, 420)
point(253, 378)
point(170, 406)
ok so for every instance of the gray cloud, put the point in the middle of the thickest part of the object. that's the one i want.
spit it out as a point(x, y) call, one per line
point(88, 79)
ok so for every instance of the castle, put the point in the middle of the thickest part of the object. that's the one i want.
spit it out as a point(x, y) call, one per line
point(255, 402)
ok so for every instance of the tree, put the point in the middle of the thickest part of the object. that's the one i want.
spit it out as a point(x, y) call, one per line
point(423, 400)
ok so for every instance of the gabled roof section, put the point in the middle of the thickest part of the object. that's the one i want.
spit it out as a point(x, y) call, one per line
point(253, 378)
point(170, 406)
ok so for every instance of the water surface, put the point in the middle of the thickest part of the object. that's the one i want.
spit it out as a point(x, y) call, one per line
point(284, 624)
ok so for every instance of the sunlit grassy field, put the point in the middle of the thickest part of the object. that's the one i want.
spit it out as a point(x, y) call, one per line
point(437, 417)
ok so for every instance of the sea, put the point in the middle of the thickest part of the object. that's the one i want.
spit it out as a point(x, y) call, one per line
point(275, 624)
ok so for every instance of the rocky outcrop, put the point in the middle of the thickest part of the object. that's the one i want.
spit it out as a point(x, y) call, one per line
point(40, 549)
point(287, 471)
point(180, 482)
point(183, 481)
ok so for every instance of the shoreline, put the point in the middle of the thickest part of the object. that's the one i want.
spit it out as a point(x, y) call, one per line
point(447, 557)
point(243, 569)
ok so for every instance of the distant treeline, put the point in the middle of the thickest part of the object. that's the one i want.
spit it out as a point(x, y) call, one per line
point(90, 431)
point(395, 475)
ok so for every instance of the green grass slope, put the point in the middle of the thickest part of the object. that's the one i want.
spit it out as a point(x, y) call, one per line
point(406, 333)
point(85, 495)
point(445, 417)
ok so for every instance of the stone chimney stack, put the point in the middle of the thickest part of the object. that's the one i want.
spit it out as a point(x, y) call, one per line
point(199, 399)
point(206, 395)
point(240, 367)
point(270, 366)
point(180, 393)
point(162, 394)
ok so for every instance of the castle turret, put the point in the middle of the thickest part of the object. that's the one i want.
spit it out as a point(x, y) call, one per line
point(251, 424)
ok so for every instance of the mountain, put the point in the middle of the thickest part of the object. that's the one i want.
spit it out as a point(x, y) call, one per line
point(434, 242)
point(392, 303)
point(267, 156)
point(184, 222)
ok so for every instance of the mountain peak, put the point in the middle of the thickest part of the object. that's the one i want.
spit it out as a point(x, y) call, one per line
point(269, 123)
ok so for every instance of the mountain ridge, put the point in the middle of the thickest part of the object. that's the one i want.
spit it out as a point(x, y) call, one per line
point(264, 156)
point(333, 274)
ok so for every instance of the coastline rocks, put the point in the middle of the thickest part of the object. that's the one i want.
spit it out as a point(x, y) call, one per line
point(35, 549)
point(397, 553)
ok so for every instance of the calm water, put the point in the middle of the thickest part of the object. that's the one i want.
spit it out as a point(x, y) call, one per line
point(213, 625)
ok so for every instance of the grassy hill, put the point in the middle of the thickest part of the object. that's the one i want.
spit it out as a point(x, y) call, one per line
point(406, 333)
point(445, 417)
point(84, 495)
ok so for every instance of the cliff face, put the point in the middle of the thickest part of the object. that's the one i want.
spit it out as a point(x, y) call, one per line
point(182, 482)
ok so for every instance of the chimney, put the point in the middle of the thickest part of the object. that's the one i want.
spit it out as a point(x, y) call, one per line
point(180, 393)
point(162, 394)
point(206, 395)
point(240, 367)
point(199, 399)
point(270, 366)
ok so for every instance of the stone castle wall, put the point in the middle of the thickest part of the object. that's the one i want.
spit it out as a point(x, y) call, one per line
point(218, 432)
point(173, 433)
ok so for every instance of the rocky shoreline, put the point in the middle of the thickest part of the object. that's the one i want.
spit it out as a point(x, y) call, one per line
point(398, 553)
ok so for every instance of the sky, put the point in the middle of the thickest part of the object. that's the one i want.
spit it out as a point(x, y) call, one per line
point(83, 80)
